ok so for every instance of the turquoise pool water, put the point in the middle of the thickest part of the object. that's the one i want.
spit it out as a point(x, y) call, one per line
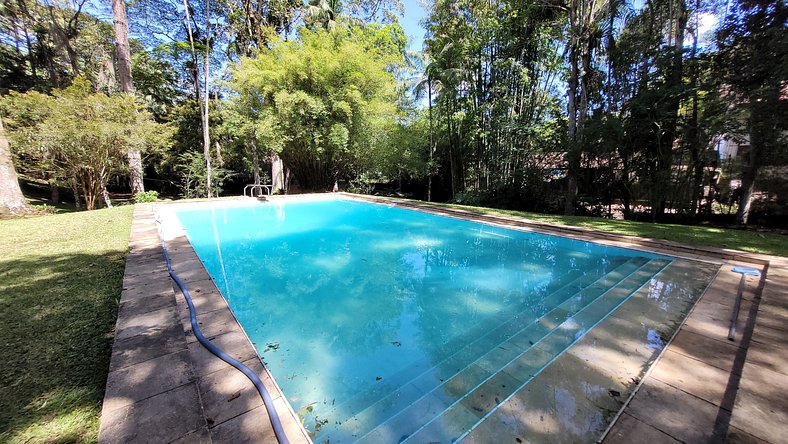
point(380, 319)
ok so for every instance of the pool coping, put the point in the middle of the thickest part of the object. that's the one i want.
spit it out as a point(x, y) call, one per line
point(218, 406)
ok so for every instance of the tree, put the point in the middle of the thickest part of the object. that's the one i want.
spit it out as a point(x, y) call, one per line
point(123, 52)
point(583, 16)
point(81, 134)
point(11, 199)
point(328, 97)
point(430, 78)
point(753, 64)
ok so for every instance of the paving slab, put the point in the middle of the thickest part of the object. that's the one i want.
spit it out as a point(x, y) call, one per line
point(228, 393)
point(136, 382)
point(769, 356)
point(145, 303)
point(149, 345)
point(159, 419)
point(720, 353)
point(762, 404)
point(738, 436)
point(144, 323)
point(250, 427)
point(679, 414)
point(693, 376)
point(629, 429)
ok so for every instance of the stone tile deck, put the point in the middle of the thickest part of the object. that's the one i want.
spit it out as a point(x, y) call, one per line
point(164, 387)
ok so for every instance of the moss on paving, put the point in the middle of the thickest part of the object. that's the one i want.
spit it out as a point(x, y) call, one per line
point(60, 282)
point(700, 235)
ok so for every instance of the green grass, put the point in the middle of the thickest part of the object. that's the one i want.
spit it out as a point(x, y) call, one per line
point(60, 282)
point(700, 235)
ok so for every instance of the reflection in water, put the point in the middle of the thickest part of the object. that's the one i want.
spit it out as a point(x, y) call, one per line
point(352, 304)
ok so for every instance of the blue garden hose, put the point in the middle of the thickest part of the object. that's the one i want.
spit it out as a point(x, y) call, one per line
point(269, 403)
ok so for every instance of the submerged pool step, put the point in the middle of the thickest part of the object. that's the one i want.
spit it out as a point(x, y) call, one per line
point(443, 391)
point(450, 370)
point(470, 409)
point(479, 335)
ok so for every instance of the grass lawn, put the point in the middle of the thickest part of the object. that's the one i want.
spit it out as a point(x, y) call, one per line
point(744, 240)
point(60, 282)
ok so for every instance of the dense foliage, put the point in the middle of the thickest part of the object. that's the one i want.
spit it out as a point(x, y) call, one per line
point(324, 102)
point(595, 106)
point(613, 108)
point(80, 137)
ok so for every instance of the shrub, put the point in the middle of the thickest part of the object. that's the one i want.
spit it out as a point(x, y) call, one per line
point(146, 196)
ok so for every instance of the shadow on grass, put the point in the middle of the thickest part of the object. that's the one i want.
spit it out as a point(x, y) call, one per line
point(57, 314)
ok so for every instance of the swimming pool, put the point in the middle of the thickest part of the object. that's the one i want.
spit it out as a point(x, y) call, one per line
point(386, 324)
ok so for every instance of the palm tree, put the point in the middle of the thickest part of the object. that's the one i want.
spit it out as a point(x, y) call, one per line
point(324, 12)
point(583, 19)
point(431, 75)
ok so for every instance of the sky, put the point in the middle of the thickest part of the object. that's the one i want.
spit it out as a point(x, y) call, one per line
point(414, 13)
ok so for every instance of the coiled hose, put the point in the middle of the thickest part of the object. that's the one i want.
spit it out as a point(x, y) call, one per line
point(269, 403)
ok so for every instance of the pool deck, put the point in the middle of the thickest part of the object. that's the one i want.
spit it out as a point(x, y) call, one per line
point(163, 386)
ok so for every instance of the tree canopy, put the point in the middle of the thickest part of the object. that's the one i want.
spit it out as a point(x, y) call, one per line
point(610, 108)
point(80, 136)
point(324, 102)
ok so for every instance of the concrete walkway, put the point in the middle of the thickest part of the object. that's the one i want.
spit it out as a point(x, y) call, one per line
point(706, 388)
point(163, 386)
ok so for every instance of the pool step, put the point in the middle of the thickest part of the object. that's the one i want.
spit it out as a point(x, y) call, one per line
point(470, 409)
point(501, 357)
point(556, 292)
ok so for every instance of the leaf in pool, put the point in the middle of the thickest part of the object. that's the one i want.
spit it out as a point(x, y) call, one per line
point(306, 409)
point(319, 423)
point(274, 346)
point(396, 344)
point(378, 378)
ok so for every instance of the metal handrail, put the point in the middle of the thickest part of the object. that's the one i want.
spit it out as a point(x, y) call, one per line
point(259, 187)
point(745, 271)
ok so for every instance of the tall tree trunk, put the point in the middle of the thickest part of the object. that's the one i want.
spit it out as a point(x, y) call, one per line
point(255, 164)
point(759, 121)
point(54, 192)
point(203, 109)
point(63, 40)
point(432, 140)
point(662, 182)
point(11, 199)
point(75, 191)
point(693, 133)
point(123, 53)
point(747, 188)
point(205, 134)
point(30, 53)
point(573, 157)
point(277, 174)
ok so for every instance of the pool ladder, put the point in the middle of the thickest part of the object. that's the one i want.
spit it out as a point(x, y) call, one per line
point(256, 190)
